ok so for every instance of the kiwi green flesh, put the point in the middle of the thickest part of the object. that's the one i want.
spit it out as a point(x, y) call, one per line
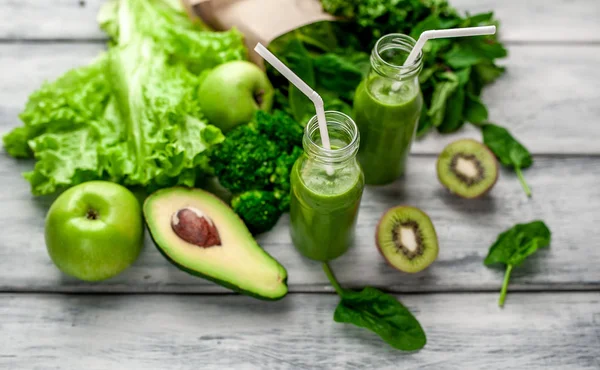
point(407, 240)
point(467, 168)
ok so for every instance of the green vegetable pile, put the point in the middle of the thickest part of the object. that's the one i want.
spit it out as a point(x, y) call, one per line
point(254, 164)
point(333, 57)
point(132, 115)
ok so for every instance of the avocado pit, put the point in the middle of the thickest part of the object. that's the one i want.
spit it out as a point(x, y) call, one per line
point(193, 226)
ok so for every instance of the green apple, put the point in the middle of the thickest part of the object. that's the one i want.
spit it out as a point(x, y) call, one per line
point(94, 230)
point(232, 92)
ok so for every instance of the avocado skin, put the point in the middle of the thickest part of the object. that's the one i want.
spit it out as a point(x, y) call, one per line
point(225, 284)
point(220, 282)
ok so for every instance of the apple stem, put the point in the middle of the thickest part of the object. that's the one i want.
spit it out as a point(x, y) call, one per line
point(258, 97)
point(92, 214)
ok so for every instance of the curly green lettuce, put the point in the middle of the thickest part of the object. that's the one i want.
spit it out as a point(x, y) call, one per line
point(131, 116)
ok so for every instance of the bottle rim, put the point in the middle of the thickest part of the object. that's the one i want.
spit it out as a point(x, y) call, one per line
point(336, 122)
point(389, 69)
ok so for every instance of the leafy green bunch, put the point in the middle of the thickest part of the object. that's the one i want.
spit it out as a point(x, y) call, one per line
point(333, 57)
point(132, 115)
point(325, 62)
point(254, 163)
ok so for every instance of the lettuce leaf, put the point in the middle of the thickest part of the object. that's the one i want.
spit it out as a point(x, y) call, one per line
point(131, 116)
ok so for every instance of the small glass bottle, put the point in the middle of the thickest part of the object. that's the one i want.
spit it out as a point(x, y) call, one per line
point(387, 108)
point(327, 187)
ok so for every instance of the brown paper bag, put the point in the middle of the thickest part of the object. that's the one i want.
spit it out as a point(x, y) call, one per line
point(259, 20)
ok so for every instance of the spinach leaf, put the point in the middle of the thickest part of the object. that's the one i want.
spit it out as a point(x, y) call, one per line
point(425, 123)
point(426, 74)
point(455, 105)
point(478, 19)
point(509, 151)
point(475, 111)
point(338, 74)
point(441, 93)
point(469, 52)
point(433, 22)
point(488, 72)
point(297, 58)
point(462, 55)
point(514, 245)
point(449, 65)
point(453, 119)
point(383, 314)
point(379, 312)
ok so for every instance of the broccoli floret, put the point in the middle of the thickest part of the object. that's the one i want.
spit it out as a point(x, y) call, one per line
point(283, 167)
point(254, 163)
point(242, 161)
point(258, 209)
point(279, 128)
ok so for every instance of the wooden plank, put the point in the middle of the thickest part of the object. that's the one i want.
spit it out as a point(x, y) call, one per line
point(563, 20)
point(539, 20)
point(566, 196)
point(466, 331)
point(56, 19)
point(547, 97)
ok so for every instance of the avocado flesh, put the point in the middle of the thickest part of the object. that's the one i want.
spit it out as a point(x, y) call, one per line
point(239, 263)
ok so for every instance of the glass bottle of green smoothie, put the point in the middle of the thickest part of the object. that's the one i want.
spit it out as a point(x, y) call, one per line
point(327, 186)
point(387, 107)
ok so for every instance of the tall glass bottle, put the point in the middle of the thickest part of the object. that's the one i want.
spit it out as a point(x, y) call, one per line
point(387, 107)
point(327, 186)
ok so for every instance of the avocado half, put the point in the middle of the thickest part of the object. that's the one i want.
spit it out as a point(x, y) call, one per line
point(202, 236)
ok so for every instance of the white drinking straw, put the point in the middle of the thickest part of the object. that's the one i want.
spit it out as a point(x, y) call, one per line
point(302, 86)
point(442, 34)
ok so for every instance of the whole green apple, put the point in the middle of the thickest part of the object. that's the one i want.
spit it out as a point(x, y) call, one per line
point(232, 92)
point(94, 230)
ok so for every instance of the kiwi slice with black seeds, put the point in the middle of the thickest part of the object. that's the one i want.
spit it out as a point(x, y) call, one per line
point(467, 168)
point(406, 238)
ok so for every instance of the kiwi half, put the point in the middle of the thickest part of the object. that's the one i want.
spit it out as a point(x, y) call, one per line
point(406, 238)
point(467, 168)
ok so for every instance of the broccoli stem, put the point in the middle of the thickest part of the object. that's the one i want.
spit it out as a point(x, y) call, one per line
point(332, 279)
point(522, 181)
point(505, 285)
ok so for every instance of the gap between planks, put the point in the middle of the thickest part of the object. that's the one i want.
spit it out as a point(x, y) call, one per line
point(217, 291)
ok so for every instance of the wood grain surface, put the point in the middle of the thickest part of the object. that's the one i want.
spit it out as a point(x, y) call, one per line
point(566, 196)
point(521, 21)
point(464, 331)
point(548, 98)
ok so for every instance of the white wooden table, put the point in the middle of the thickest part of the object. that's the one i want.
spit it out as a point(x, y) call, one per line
point(156, 317)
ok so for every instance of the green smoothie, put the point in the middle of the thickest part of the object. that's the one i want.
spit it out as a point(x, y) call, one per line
point(323, 209)
point(387, 116)
point(387, 108)
point(327, 185)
